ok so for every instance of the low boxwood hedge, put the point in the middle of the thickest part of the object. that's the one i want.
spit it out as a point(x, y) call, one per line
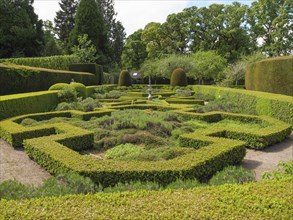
point(14, 133)
point(274, 132)
point(184, 100)
point(253, 102)
point(262, 200)
point(140, 94)
point(212, 151)
point(19, 104)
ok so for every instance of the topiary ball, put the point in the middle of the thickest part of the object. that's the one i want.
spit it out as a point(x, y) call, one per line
point(124, 78)
point(58, 86)
point(80, 88)
point(178, 78)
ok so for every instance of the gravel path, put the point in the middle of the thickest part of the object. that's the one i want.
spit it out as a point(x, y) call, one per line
point(267, 159)
point(15, 164)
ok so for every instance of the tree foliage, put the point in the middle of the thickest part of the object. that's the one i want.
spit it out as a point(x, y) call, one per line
point(209, 65)
point(219, 27)
point(89, 20)
point(235, 72)
point(162, 68)
point(21, 31)
point(271, 25)
point(85, 50)
point(64, 20)
point(52, 45)
point(134, 51)
point(115, 30)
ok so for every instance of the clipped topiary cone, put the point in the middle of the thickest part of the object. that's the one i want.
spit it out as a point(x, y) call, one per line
point(124, 78)
point(178, 78)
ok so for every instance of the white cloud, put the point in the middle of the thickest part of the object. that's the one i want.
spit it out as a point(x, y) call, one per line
point(46, 10)
point(136, 14)
point(133, 14)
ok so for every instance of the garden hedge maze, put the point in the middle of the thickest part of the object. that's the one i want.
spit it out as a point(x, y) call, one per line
point(56, 147)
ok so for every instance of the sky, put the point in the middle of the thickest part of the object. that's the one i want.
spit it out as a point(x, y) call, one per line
point(134, 14)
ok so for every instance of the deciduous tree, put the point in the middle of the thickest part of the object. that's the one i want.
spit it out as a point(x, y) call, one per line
point(134, 52)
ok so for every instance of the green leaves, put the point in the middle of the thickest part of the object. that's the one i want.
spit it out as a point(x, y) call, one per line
point(85, 50)
point(262, 200)
point(271, 24)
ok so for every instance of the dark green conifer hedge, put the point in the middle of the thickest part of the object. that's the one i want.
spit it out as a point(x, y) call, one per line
point(178, 78)
point(273, 75)
point(124, 78)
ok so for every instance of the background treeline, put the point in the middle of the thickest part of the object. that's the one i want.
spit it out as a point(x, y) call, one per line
point(22, 34)
point(213, 44)
point(231, 30)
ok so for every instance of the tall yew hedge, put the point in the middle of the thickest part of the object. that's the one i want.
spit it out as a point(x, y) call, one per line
point(273, 75)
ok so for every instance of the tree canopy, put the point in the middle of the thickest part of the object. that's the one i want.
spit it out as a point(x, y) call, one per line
point(21, 31)
point(64, 20)
point(89, 20)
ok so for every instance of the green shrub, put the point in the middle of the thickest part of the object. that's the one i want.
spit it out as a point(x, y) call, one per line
point(218, 105)
point(62, 184)
point(284, 170)
point(232, 174)
point(67, 94)
point(19, 79)
point(271, 75)
point(178, 78)
point(64, 106)
point(58, 86)
point(28, 121)
point(124, 78)
point(80, 88)
point(123, 150)
point(184, 92)
point(114, 94)
point(52, 62)
point(89, 104)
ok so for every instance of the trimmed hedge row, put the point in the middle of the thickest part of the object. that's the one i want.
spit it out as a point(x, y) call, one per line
point(162, 94)
point(188, 101)
point(262, 200)
point(274, 132)
point(52, 62)
point(271, 75)
point(19, 79)
point(95, 69)
point(213, 153)
point(200, 164)
point(253, 102)
point(19, 104)
point(50, 153)
point(14, 133)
